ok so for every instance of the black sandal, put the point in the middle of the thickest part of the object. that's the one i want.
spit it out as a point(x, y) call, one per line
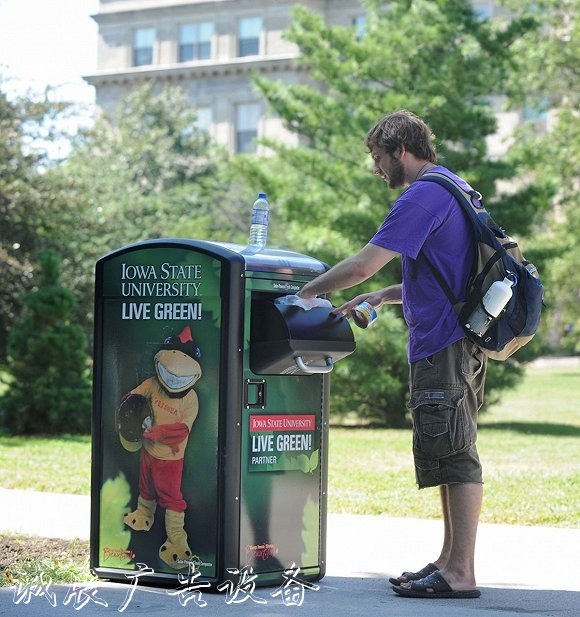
point(414, 576)
point(434, 586)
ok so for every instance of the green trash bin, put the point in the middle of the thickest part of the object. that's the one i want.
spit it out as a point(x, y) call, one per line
point(210, 416)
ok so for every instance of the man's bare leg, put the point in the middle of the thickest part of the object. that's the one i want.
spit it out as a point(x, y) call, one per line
point(463, 509)
point(441, 561)
point(464, 501)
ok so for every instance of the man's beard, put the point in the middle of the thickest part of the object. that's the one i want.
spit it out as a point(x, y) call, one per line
point(396, 175)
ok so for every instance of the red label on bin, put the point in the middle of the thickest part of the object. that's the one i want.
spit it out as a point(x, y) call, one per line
point(282, 423)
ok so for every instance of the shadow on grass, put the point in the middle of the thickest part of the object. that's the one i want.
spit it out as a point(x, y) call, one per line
point(19, 441)
point(534, 428)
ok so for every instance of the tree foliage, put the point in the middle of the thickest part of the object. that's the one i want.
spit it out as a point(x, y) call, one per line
point(437, 59)
point(48, 364)
point(145, 173)
point(24, 198)
point(148, 172)
point(545, 81)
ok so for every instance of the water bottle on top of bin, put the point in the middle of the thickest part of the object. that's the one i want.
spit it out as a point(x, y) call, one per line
point(259, 223)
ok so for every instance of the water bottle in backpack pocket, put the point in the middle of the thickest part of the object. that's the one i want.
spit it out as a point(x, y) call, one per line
point(491, 305)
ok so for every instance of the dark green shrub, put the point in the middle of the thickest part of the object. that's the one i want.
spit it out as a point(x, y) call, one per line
point(48, 366)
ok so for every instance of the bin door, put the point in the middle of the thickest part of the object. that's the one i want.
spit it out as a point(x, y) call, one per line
point(283, 465)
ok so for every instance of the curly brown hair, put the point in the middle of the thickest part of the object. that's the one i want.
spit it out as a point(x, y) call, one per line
point(403, 129)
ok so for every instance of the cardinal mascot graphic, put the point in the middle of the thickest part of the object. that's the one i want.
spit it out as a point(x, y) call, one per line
point(156, 417)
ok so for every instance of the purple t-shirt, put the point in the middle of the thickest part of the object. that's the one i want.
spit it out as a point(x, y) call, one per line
point(427, 218)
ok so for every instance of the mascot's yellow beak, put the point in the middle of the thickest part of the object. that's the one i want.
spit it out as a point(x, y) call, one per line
point(176, 371)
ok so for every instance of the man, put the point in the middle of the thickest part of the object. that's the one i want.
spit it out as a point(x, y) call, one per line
point(446, 371)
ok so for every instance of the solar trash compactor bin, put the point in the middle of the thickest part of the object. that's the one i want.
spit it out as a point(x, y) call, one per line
point(210, 414)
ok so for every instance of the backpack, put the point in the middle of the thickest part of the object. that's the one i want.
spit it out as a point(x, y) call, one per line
point(497, 257)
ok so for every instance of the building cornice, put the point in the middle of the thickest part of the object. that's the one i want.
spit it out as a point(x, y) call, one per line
point(199, 69)
point(127, 8)
point(120, 7)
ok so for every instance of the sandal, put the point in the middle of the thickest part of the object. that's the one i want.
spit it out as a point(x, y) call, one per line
point(434, 586)
point(407, 577)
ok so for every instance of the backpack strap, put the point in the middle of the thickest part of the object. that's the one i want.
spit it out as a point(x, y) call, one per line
point(471, 202)
point(439, 277)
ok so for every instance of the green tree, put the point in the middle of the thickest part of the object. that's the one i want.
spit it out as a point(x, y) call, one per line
point(48, 365)
point(147, 172)
point(545, 83)
point(24, 198)
point(434, 58)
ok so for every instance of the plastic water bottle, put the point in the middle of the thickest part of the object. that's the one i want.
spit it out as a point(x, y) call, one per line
point(492, 304)
point(259, 223)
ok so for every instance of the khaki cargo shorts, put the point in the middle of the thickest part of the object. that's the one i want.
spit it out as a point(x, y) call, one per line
point(446, 394)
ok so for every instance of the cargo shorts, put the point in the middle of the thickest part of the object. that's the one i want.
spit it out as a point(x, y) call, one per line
point(446, 393)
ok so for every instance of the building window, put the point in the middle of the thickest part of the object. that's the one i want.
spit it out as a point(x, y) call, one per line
point(203, 119)
point(195, 41)
point(249, 36)
point(360, 26)
point(536, 110)
point(483, 13)
point(247, 118)
point(143, 41)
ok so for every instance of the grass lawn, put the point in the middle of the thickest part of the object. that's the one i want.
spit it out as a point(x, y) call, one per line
point(529, 446)
point(51, 464)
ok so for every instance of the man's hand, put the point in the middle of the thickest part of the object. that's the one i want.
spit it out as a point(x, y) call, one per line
point(374, 299)
point(304, 293)
point(387, 295)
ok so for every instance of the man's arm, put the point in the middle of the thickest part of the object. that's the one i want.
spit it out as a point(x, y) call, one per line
point(349, 272)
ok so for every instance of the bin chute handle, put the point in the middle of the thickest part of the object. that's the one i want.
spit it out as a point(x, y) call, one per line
point(314, 369)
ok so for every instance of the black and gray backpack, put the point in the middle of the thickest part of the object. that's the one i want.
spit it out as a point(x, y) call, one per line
point(497, 257)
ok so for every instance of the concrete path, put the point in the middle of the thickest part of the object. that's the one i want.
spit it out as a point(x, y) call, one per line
point(521, 570)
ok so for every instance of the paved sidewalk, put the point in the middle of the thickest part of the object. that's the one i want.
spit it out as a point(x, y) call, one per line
point(521, 570)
